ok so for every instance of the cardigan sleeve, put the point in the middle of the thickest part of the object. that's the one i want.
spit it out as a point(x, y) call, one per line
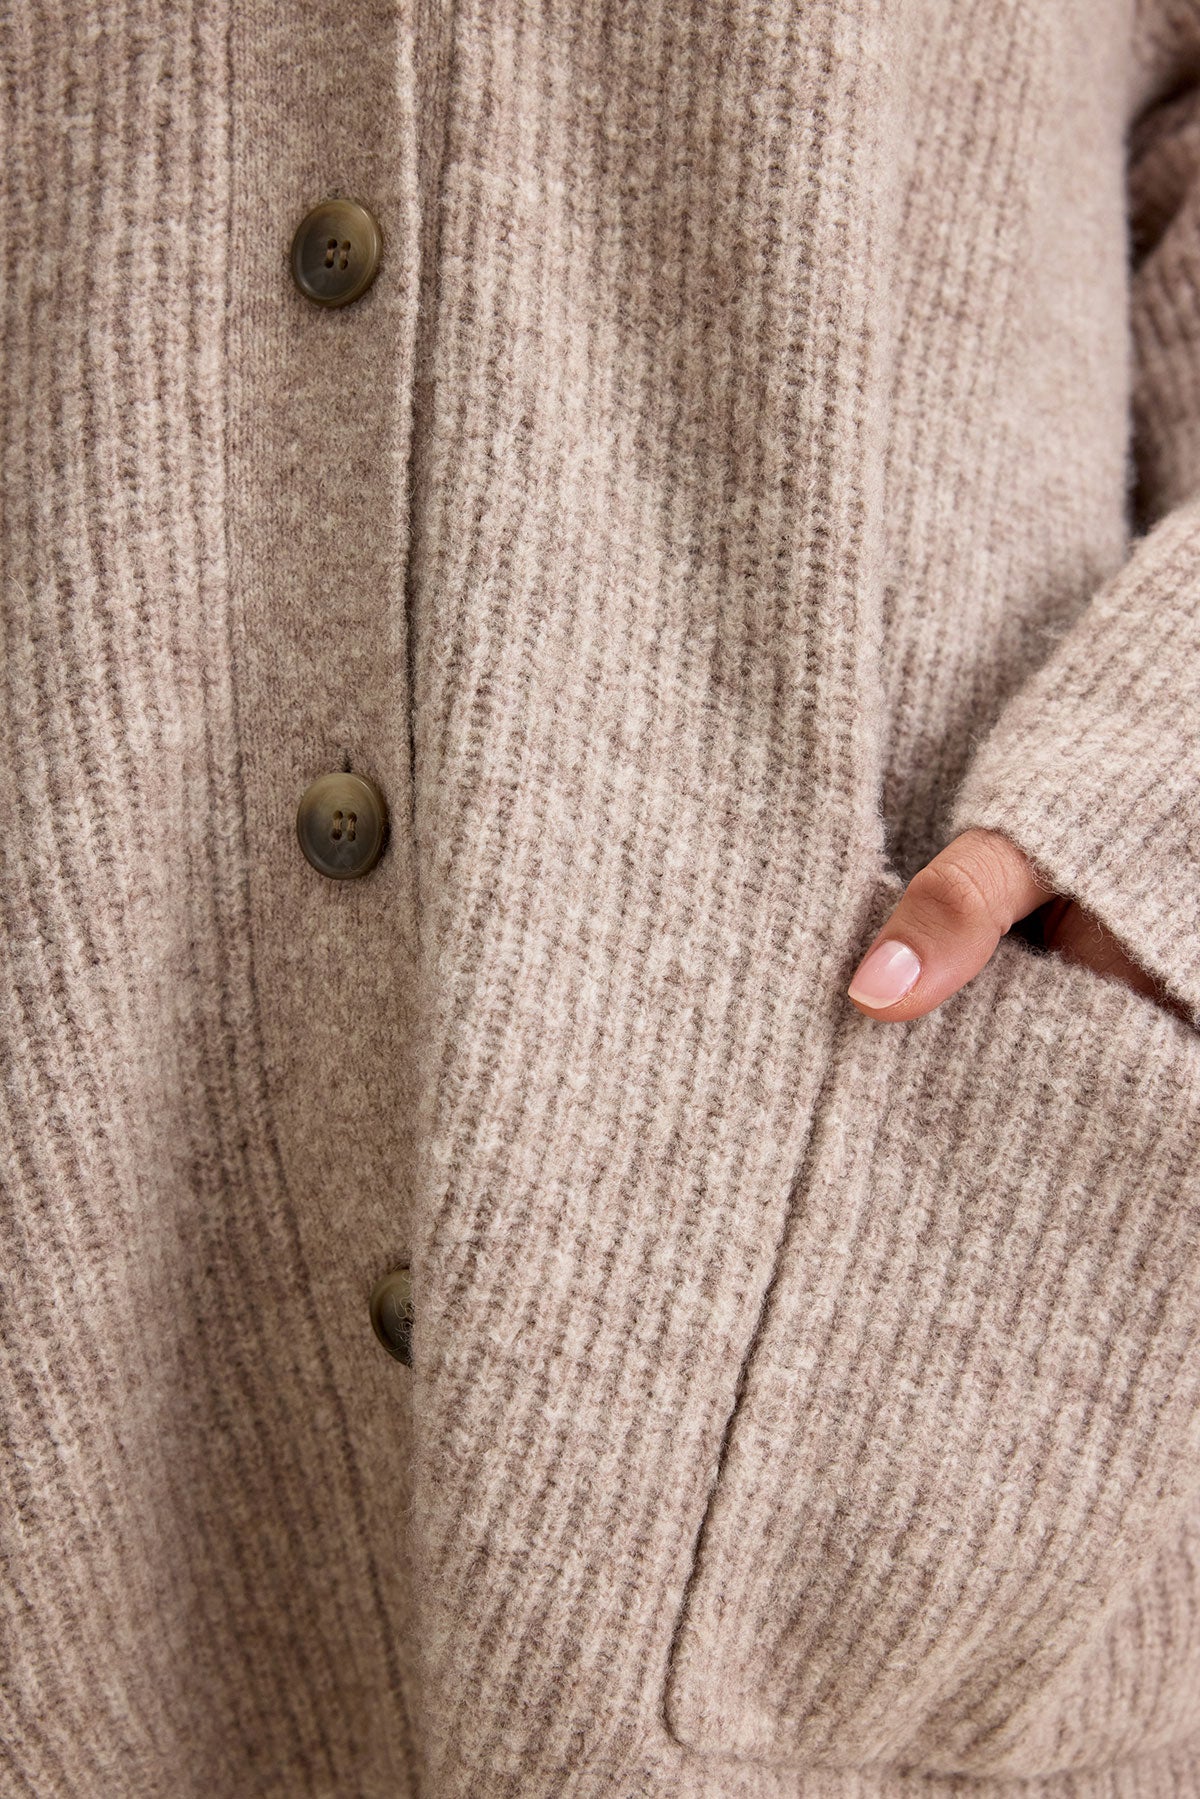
point(1093, 765)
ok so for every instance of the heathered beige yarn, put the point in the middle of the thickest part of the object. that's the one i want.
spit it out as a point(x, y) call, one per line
point(771, 445)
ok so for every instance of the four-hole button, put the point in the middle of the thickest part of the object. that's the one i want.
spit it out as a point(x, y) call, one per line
point(341, 823)
point(335, 252)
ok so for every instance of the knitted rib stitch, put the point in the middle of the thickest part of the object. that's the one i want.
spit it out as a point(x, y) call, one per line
point(770, 445)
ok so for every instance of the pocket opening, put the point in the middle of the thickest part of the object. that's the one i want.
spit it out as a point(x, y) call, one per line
point(906, 1544)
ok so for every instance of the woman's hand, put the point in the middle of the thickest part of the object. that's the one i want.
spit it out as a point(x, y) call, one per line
point(953, 913)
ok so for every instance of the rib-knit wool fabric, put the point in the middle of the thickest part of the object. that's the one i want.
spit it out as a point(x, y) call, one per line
point(771, 445)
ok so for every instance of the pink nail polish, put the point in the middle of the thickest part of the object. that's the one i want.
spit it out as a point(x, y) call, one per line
point(886, 974)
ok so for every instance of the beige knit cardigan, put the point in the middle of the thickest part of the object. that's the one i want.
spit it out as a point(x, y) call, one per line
point(770, 446)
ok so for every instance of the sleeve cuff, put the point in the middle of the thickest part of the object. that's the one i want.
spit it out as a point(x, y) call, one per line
point(1093, 766)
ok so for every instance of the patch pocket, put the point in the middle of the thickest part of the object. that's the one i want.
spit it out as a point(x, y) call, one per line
point(971, 1413)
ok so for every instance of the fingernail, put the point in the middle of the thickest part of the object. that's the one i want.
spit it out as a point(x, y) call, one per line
point(885, 975)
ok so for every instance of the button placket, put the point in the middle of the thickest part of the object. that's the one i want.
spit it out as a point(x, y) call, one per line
point(342, 818)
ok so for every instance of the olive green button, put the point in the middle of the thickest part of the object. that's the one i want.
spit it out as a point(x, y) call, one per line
point(392, 1313)
point(335, 252)
point(342, 823)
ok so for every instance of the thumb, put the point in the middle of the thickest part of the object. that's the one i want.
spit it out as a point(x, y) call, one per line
point(946, 925)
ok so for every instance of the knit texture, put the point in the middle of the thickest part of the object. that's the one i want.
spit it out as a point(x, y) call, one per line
point(770, 445)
